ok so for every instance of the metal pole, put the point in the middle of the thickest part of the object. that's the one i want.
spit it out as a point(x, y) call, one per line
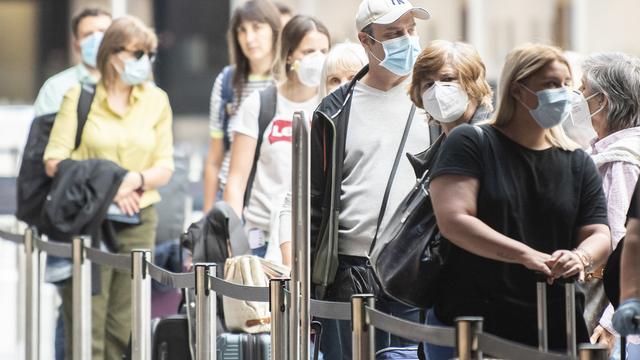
point(570, 316)
point(140, 305)
point(467, 330)
point(300, 282)
point(593, 352)
point(543, 337)
point(362, 333)
point(205, 312)
point(279, 307)
point(81, 289)
point(32, 310)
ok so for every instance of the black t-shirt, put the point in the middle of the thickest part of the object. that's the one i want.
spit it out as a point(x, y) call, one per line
point(538, 197)
point(634, 206)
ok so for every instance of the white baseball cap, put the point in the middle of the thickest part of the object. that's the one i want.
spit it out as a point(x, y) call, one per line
point(386, 11)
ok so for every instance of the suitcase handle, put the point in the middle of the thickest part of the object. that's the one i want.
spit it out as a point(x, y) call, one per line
point(570, 312)
point(541, 277)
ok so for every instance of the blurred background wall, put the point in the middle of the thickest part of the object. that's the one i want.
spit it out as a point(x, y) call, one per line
point(36, 42)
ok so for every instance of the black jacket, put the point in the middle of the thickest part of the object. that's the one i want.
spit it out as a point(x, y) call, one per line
point(79, 198)
point(328, 135)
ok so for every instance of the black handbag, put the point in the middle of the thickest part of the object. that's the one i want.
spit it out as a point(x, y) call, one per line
point(411, 252)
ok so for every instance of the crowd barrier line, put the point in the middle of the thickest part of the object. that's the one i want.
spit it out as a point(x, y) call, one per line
point(370, 318)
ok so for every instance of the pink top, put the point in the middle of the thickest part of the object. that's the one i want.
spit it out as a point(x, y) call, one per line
point(617, 157)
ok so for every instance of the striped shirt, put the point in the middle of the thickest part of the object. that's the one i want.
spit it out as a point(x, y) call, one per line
point(254, 83)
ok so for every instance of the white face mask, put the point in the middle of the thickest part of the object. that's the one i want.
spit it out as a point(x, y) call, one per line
point(445, 101)
point(580, 114)
point(310, 69)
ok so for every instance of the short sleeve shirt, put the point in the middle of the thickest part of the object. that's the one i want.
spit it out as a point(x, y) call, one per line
point(538, 197)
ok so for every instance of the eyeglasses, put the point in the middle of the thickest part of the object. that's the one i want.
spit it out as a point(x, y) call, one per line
point(140, 53)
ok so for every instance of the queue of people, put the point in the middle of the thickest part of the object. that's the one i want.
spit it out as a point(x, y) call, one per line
point(512, 193)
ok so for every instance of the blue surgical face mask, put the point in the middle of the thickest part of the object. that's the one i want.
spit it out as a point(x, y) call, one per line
point(399, 54)
point(89, 48)
point(554, 106)
point(136, 71)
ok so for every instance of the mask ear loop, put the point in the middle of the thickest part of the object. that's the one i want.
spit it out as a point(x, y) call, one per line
point(379, 42)
point(601, 107)
point(522, 102)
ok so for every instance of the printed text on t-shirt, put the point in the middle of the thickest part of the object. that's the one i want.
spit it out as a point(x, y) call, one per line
point(281, 131)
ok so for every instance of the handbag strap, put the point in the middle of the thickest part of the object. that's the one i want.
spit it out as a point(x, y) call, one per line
point(392, 175)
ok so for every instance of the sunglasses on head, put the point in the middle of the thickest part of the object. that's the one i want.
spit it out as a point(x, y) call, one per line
point(140, 53)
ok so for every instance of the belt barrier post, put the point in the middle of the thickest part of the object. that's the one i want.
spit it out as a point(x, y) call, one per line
point(593, 352)
point(543, 337)
point(300, 209)
point(140, 305)
point(279, 307)
point(205, 312)
point(81, 290)
point(570, 316)
point(467, 330)
point(32, 309)
point(362, 333)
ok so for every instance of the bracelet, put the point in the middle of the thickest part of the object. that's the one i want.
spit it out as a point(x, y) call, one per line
point(141, 188)
point(585, 258)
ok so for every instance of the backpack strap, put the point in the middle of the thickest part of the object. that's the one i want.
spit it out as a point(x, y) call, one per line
point(268, 102)
point(227, 95)
point(87, 92)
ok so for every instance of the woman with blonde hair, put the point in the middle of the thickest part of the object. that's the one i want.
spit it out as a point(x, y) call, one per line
point(342, 63)
point(129, 123)
point(516, 197)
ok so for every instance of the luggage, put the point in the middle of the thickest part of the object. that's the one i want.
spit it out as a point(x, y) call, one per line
point(249, 316)
point(244, 346)
point(171, 339)
point(570, 313)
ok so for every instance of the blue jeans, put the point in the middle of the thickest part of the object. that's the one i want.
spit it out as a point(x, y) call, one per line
point(261, 251)
point(435, 352)
point(338, 345)
point(167, 256)
point(633, 351)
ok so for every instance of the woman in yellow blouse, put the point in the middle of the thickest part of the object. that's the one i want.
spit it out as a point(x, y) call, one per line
point(129, 124)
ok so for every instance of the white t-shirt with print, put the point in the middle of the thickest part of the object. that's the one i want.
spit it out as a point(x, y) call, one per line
point(273, 173)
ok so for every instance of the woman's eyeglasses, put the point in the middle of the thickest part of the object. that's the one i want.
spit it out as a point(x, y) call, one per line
point(138, 54)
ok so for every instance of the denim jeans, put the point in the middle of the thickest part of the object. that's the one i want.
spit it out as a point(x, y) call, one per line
point(633, 351)
point(167, 256)
point(338, 345)
point(435, 352)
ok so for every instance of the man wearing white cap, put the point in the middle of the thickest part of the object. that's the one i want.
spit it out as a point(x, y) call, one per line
point(359, 133)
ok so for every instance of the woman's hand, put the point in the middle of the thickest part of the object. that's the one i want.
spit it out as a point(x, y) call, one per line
point(565, 264)
point(127, 199)
point(604, 337)
point(129, 204)
point(537, 261)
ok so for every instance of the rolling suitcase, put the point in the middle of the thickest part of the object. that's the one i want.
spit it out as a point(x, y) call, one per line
point(570, 313)
point(243, 346)
point(171, 339)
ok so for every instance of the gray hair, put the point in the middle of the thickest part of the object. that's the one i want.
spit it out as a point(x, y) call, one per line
point(617, 76)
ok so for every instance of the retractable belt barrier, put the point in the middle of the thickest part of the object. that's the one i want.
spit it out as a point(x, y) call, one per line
point(467, 338)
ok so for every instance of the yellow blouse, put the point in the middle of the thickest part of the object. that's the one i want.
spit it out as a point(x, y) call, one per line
point(138, 140)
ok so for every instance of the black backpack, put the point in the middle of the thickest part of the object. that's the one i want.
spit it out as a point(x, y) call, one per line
point(32, 183)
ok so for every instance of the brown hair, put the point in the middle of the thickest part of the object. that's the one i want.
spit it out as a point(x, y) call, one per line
point(520, 64)
point(292, 34)
point(262, 11)
point(122, 32)
point(463, 58)
point(85, 13)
